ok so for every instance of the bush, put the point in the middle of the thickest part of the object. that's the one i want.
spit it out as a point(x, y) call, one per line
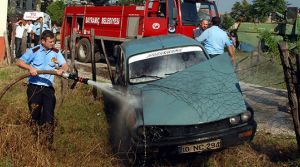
point(56, 11)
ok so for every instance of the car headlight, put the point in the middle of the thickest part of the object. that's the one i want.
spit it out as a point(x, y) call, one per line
point(246, 116)
point(234, 120)
point(242, 118)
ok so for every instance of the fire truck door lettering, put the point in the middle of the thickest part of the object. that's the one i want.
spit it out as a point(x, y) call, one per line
point(139, 8)
point(92, 20)
point(110, 20)
point(155, 26)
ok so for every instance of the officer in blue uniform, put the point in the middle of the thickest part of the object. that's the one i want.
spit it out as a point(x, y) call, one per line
point(38, 28)
point(40, 91)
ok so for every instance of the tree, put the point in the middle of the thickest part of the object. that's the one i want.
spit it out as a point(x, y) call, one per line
point(241, 11)
point(45, 4)
point(262, 8)
point(227, 21)
point(56, 11)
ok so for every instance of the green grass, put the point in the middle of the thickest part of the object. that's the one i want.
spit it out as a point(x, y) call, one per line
point(260, 70)
point(6, 162)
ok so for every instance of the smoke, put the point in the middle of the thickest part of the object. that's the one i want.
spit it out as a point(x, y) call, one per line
point(123, 108)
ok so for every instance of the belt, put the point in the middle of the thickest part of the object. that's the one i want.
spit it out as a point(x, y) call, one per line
point(213, 55)
point(40, 86)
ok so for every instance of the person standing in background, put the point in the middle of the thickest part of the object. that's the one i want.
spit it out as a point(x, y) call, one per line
point(20, 28)
point(38, 28)
point(55, 30)
point(29, 27)
point(202, 27)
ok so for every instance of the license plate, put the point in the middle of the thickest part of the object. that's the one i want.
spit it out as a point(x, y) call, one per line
point(200, 147)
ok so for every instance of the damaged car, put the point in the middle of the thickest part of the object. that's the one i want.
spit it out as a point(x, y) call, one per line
point(171, 98)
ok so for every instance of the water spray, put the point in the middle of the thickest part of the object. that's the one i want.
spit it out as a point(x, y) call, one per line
point(71, 76)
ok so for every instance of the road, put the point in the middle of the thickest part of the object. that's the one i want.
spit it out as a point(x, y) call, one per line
point(271, 108)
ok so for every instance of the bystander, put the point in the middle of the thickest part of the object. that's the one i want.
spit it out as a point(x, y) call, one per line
point(38, 28)
point(55, 30)
point(202, 27)
point(215, 39)
point(20, 28)
point(29, 27)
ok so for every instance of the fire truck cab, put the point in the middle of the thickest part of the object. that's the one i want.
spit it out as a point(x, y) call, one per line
point(115, 24)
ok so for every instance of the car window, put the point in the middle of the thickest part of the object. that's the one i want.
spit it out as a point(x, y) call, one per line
point(160, 64)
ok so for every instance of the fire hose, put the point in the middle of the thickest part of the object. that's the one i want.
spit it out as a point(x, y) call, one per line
point(66, 75)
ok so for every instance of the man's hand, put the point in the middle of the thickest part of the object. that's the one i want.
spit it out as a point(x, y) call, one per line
point(232, 60)
point(33, 71)
point(231, 54)
point(59, 72)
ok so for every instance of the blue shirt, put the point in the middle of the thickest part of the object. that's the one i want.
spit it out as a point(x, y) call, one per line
point(37, 28)
point(41, 59)
point(214, 40)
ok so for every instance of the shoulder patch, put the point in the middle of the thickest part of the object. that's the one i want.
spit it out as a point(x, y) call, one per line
point(55, 50)
point(35, 49)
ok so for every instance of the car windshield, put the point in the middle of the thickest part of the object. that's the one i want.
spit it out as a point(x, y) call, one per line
point(163, 63)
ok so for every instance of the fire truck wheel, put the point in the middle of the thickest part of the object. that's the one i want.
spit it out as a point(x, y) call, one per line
point(84, 51)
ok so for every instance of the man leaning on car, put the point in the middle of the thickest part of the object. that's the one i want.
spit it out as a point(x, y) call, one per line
point(214, 40)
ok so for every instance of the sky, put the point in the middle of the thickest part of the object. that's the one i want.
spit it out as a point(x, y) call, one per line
point(226, 5)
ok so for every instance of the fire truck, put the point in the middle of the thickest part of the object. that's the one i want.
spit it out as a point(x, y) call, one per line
point(116, 23)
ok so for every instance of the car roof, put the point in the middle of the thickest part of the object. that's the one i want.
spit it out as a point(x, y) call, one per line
point(147, 44)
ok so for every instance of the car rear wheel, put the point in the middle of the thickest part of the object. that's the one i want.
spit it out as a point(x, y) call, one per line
point(84, 51)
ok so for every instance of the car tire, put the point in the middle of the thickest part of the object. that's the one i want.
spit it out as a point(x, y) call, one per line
point(83, 51)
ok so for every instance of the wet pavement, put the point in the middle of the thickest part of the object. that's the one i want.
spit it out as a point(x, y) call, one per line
point(271, 108)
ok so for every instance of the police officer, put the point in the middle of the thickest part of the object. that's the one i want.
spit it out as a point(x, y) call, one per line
point(40, 91)
point(38, 28)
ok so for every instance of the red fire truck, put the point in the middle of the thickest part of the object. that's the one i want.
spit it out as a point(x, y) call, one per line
point(115, 24)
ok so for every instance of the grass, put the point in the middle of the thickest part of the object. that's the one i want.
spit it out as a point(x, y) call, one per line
point(81, 136)
point(260, 70)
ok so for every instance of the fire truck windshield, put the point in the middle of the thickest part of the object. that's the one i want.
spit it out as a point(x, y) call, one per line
point(189, 13)
point(193, 12)
point(206, 10)
point(160, 64)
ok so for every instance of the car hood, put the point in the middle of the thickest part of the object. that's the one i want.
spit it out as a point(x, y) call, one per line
point(205, 92)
